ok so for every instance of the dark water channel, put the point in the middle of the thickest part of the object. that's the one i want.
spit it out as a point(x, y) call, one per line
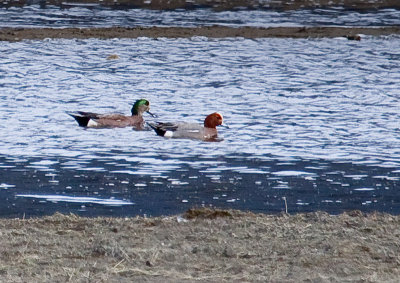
point(320, 185)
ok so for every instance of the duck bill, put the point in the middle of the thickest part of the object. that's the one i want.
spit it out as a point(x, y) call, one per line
point(225, 126)
point(152, 115)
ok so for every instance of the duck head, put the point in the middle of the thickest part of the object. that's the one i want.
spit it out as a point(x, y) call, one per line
point(213, 120)
point(141, 106)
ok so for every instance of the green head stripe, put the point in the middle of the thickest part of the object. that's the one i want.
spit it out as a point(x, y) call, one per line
point(138, 103)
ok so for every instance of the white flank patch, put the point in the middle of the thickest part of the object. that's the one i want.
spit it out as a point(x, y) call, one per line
point(92, 123)
point(168, 134)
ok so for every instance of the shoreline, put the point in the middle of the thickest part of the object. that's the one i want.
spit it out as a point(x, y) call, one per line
point(18, 34)
point(203, 244)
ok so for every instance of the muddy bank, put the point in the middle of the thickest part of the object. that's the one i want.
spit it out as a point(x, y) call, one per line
point(16, 34)
point(214, 4)
point(205, 245)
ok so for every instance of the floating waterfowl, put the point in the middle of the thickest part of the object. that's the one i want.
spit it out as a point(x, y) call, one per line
point(190, 130)
point(112, 57)
point(94, 120)
point(354, 37)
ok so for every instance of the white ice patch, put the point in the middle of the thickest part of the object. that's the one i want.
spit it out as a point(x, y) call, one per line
point(57, 198)
point(5, 186)
point(293, 173)
point(364, 189)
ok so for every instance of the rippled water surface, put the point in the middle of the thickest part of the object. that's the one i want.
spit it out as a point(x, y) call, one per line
point(80, 16)
point(312, 121)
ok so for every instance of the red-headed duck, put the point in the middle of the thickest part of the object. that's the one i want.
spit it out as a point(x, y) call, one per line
point(190, 130)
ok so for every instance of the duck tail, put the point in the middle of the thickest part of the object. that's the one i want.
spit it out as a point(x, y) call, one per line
point(159, 131)
point(80, 118)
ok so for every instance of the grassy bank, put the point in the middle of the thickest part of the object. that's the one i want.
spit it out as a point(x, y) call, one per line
point(202, 245)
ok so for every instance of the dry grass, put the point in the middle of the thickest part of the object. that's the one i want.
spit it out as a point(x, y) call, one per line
point(213, 246)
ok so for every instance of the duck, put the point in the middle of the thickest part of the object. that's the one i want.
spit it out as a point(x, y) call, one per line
point(353, 37)
point(95, 120)
point(206, 132)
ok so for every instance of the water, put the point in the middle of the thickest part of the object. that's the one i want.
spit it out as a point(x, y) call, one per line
point(97, 16)
point(314, 121)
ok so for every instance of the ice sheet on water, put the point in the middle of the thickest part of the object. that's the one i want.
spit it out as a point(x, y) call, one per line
point(74, 199)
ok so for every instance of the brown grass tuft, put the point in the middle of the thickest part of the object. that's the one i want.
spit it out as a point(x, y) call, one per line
point(206, 213)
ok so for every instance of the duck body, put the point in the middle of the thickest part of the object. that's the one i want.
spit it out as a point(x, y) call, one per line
point(184, 130)
point(95, 120)
point(190, 130)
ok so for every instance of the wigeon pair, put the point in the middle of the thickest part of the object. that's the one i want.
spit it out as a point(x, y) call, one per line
point(169, 130)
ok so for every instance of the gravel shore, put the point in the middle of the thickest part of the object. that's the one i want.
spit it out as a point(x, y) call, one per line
point(17, 34)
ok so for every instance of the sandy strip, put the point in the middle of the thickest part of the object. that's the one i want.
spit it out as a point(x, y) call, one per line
point(17, 34)
point(203, 246)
